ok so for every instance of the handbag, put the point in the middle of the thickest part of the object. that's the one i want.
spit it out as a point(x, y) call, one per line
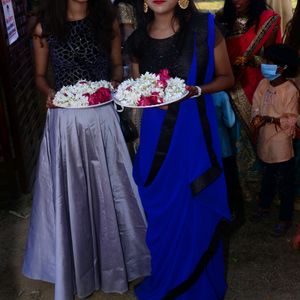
point(128, 128)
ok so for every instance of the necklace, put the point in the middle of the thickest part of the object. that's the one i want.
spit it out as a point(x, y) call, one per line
point(240, 25)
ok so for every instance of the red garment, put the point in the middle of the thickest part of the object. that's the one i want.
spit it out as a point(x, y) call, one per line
point(250, 44)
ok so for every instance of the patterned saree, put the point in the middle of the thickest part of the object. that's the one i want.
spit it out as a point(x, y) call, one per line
point(244, 49)
point(245, 46)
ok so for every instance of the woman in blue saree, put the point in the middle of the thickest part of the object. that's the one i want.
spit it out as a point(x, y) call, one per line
point(178, 165)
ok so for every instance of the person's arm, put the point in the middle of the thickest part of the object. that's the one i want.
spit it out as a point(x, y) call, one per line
point(289, 118)
point(135, 70)
point(223, 73)
point(116, 57)
point(257, 120)
point(41, 57)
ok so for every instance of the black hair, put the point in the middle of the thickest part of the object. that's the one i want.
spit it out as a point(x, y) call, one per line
point(283, 56)
point(255, 9)
point(183, 15)
point(293, 27)
point(53, 15)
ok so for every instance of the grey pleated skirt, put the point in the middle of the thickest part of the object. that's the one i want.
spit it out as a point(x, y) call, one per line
point(87, 229)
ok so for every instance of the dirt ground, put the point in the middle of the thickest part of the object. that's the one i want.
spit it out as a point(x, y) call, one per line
point(260, 267)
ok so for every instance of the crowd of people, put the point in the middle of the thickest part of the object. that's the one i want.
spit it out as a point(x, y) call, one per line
point(98, 222)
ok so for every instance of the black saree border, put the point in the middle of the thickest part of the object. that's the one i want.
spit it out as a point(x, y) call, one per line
point(259, 36)
point(220, 231)
point(164, 141)
point(215, 170)
point(165, 138)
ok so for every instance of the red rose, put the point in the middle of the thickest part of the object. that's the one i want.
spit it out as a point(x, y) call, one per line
point(100, 96)
point(103, 94)
point(93, 99)
point(144, 101)
point(150, 100)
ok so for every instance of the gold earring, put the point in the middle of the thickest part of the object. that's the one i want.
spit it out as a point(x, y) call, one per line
point(145, 7)
point(183, 4)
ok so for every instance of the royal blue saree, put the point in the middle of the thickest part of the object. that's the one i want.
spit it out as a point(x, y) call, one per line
point(181, 184)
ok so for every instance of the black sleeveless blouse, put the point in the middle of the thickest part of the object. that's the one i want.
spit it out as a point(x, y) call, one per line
point(79, 56)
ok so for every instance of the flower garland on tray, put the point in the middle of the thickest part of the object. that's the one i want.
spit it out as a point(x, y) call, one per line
point(83, 94)
point(151, 89)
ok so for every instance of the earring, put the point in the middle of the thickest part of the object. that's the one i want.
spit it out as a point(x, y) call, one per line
point(183, 4)
point(145, 7)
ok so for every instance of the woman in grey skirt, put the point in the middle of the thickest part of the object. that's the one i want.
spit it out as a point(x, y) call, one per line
point(87, 229)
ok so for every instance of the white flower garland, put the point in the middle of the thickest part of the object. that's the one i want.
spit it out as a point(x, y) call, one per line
point(130, 91)
point(77, 95)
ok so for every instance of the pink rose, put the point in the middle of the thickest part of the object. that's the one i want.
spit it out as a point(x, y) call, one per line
point(163, 77)
point(162, 83)
point(164, 74)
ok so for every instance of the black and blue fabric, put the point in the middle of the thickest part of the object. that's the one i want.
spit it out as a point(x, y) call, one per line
point(178, 171)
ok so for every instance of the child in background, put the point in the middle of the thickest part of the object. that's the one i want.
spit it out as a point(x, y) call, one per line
point(226, 122)
point(274, 113)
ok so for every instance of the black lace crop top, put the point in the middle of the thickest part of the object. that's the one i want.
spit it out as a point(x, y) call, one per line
point(174, 53)
point(79, 56)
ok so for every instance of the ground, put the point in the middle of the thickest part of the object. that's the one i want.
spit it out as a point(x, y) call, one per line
point(260, 267)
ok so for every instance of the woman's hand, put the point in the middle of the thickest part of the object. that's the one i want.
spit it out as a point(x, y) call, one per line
point(115, 83)
point(194, 91)
point(50, 97)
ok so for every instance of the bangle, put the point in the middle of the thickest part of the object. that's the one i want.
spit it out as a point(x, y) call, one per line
point(199, 91)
